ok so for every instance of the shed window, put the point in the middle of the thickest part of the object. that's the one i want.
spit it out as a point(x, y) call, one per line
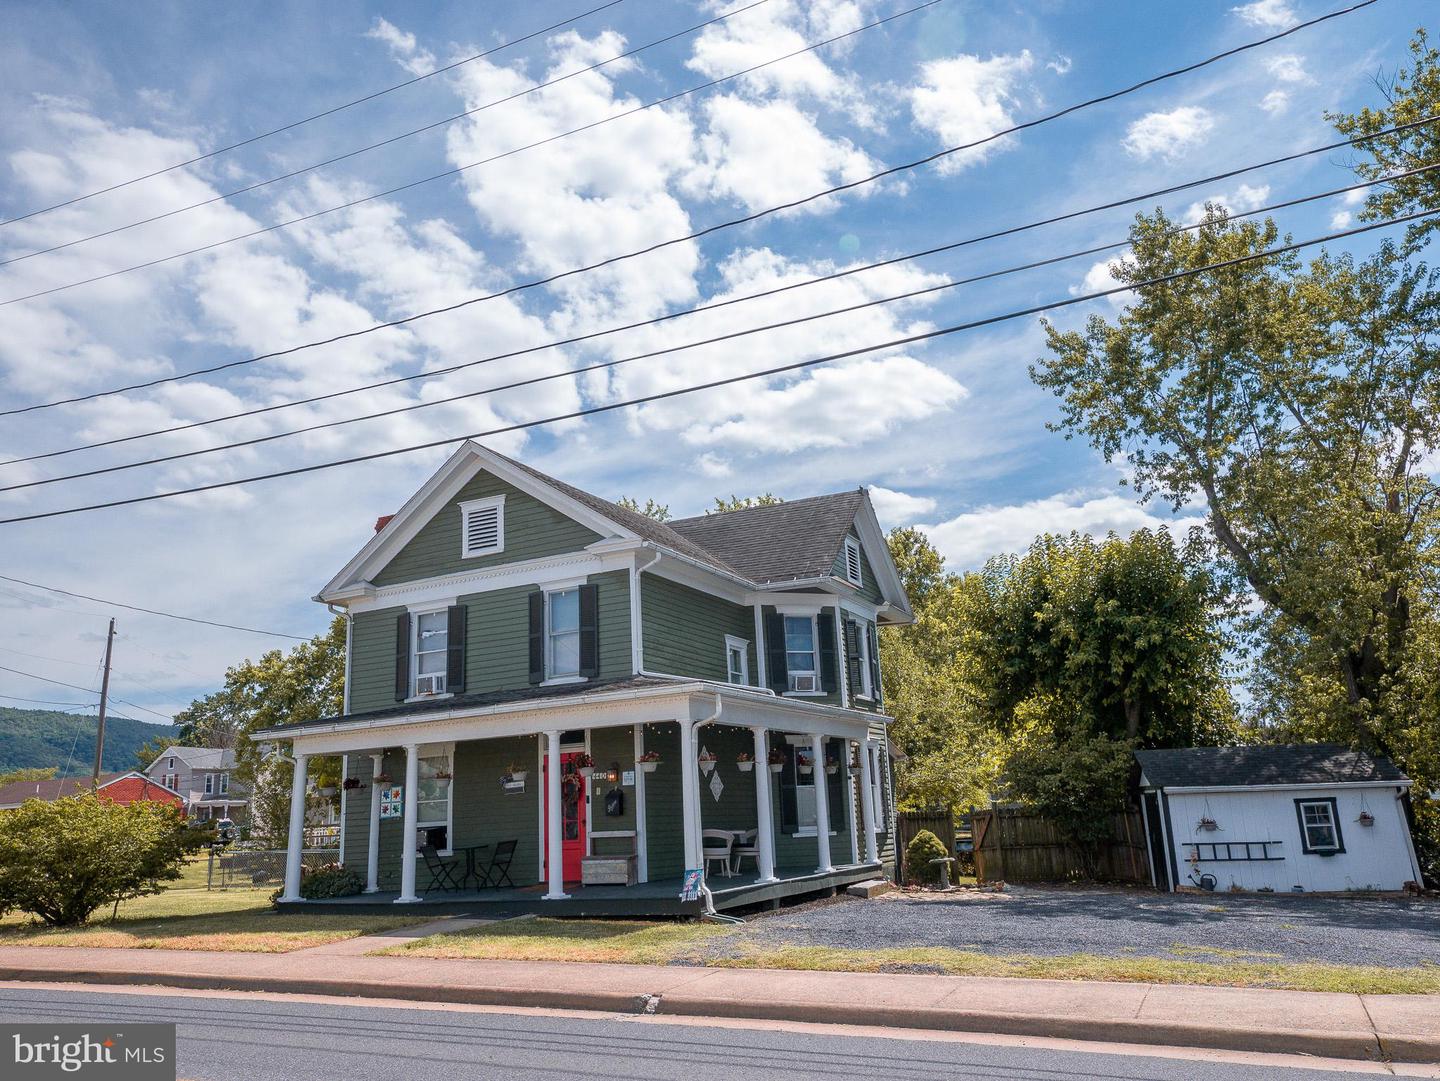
point(482, 526)
point(852, 562)
point(1319, 826)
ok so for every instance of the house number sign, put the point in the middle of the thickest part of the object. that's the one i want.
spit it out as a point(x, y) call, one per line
point(392, 801)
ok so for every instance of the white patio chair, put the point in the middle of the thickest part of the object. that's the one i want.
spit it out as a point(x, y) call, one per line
point(746, 848)
point(715, 845)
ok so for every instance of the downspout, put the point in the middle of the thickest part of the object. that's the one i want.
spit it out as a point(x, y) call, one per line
point(707, 899)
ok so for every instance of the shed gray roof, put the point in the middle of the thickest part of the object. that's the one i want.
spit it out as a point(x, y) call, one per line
point(1296, 763)
point(797, 539)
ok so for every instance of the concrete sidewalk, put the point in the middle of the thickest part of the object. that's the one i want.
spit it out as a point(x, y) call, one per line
point(1402, 1028)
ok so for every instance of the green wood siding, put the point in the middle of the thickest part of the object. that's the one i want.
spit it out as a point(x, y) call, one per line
point(868, 587)
point(665, 839)
point(611, 746)
point(533, 530)
point(735, 809)
point(496, 642)
point(800, 854)
point(685, 629)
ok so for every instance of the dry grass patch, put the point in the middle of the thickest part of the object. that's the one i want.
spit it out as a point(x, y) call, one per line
point(197, 919)
point(631, 942)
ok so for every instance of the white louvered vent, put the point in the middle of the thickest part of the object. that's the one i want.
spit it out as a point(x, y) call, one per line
point(482, 526)
point(852, 562)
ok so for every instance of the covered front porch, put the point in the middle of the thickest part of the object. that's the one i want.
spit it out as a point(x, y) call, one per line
point(651, 781)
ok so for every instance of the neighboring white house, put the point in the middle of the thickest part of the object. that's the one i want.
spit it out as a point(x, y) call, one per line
point(1313, 818)
point(205, 777)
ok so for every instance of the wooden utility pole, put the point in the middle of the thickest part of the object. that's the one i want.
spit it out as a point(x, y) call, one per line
point(104, 694)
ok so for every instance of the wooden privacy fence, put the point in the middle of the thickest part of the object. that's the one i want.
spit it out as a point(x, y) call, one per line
point(909, 823)
point(1013, 844)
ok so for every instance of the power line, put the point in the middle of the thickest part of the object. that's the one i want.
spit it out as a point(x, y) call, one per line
point(77, 687)
point(151, 611)
point(666, 351)
point(47, 701)
point(225, 196)
point(314, 116)
point(474, 164)
point(698, 234)
point(727, 381)
point(701, 308)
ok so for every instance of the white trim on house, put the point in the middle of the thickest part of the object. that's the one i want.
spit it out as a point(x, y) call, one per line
point(854, 566)
point(1197, 789)
point(735, 644)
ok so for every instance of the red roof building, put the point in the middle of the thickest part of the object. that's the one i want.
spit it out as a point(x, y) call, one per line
point(116, 787)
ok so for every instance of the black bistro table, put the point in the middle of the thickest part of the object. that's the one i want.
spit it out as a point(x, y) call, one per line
point(472, 853)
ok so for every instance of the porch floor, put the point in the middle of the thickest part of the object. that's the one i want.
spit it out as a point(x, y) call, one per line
point(660, 897)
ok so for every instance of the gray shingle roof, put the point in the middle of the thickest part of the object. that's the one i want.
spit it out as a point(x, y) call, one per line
point(17, 792)
point(799, 538)
point(200, 757)
point(1296, 763)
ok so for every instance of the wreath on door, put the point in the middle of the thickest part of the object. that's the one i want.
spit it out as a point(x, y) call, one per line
point(570, 788)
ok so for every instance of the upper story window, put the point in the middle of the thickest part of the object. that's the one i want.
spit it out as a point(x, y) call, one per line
point(209, 784)
point(800, 658)
point(432, 640)
point(482, 526)
point(562, 640)
point(737, 660)
point(1319, 825)
point(171, 765)
point(224, 783)
point(853, 566)
point(862, 643)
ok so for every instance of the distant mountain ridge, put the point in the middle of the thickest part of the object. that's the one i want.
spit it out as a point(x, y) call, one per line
point(45, 737)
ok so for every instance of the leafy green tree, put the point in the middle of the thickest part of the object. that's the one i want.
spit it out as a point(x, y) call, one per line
point(1297, 403)
point(658, 511)
point(735, 502)
point(35, 773)
point(61, 860)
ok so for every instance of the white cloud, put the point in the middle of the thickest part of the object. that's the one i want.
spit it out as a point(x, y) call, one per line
point(963, 99)
point(713, 465)
point(1288, 68)
point(968, 540)
point(899, 508)
point(1275, 102)
point(1101, 277)
point(1060, 65)
point(1268, 13)
point(402, 46)
point(1168, 134)
point(1243, 198)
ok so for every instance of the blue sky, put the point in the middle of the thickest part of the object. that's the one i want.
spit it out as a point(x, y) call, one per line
point(950, 435)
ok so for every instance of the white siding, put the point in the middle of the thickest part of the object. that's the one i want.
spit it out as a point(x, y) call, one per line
point(1375, 858)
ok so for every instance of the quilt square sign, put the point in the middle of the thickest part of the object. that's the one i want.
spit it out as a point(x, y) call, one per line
point(98, 1052)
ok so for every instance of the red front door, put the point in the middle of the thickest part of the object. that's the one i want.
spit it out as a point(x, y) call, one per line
point(572, 817)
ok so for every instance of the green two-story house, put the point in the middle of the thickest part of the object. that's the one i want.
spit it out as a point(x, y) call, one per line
point(554, 701)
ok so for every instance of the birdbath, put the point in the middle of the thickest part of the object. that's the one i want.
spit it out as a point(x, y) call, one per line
point(944, 862)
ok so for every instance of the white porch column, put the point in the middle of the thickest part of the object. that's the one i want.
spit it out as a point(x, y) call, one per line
point(372, 854)
point(822, 802)
point(690, 795)
point(642, 837)
point(411, 827)
point(555, 842)
point(764, 820)
point(867, 803)
point(297, 831)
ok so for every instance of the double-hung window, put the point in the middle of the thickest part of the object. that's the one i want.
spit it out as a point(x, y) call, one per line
point(433, 799)
point(800, 656)
point(737, 661)
point(224, 784)
point(876, 788)
point(562, 634)
point(430, 647)
point(862, 645)
point(1319, 826)
point(209, 784)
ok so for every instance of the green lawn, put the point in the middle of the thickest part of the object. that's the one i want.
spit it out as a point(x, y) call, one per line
point(649, 943)
point(189, 917)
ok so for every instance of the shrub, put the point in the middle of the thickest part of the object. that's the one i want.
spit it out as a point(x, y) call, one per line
point(61, 860)
point(918, 854)
point(332, 880)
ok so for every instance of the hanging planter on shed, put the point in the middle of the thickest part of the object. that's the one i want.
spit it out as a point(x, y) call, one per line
point(1208, 824)
point(1366, 819)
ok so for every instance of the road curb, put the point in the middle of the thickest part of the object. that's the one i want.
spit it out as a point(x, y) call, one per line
point(1340, 1044)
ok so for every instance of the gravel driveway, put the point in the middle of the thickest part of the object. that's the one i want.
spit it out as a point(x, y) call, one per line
point(1057, 921)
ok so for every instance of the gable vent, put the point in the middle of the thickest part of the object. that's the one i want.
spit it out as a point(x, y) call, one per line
point(852, 562)
point(482, 526)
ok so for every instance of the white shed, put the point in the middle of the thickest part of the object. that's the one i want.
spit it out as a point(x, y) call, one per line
point(1313, 818)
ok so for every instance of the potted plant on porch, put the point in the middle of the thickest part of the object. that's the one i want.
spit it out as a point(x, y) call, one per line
point(776, 759)
point(707, 761)
point(516, 772)
point(746, 761)
point(584, 765)
point(649, 761)
point(804, 764)
point(443, 776)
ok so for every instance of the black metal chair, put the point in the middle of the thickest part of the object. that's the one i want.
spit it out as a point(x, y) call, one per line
point(497, 874)
point(442, 874)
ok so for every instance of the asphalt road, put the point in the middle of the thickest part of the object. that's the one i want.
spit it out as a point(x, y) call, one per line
point(255, 1038)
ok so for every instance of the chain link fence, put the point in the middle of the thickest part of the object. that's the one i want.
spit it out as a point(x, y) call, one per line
point(237, 867)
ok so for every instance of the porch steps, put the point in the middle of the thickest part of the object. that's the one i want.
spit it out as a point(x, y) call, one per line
point(872, 887)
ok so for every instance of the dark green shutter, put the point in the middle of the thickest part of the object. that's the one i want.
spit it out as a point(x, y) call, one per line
point(775, 668)
point(874, 661)
point(402, 656)
point(455, 624)
point(825, 628)
point(537, 636)
point(789, 801)
point(590, 631)
point(835, 785)
point(852, 656)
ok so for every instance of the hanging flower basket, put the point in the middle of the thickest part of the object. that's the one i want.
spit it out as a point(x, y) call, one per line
point(353, 783)
point(584, 765)
point(381, 778)
point(776, 760)
point(650, 761)
point(707, 762)
point(806, 766)
point(443, 778)
point(1366, 819)
point(832, 767)
point(1209, 825)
